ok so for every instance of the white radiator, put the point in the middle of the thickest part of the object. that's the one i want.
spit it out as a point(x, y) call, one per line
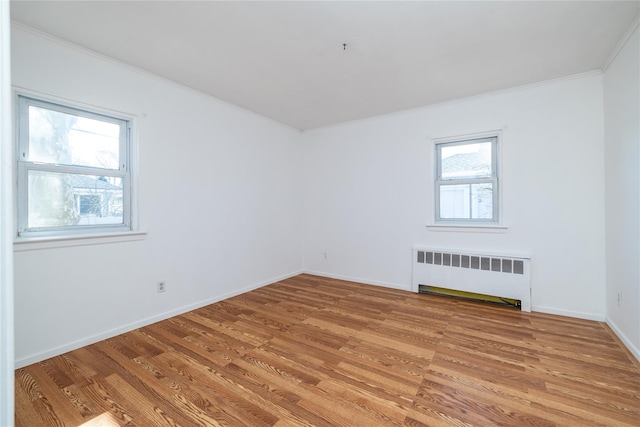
point(481, 273)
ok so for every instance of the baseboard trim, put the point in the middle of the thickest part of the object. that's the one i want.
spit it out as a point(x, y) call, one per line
point(568, 313)
point(56, 351)
point(635, 352)
point(359, 280)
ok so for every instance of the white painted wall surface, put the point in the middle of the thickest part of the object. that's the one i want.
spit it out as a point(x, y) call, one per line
point(219, 194)
point(369, 193)
point(622, 159)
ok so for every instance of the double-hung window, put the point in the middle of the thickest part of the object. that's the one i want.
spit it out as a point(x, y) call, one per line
point(73, 170)
point(466, 184)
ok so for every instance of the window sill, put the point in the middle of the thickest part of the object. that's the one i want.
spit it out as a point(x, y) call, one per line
point(21, 244)
point(468, 228)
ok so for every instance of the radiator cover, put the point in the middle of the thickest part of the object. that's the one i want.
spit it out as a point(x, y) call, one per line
point(499, 275)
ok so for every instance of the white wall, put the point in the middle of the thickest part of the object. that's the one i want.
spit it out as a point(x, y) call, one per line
point(622, 160)
point(368, 191)
point(219, 195)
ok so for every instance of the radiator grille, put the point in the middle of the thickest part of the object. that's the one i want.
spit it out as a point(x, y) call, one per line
point(497, 264)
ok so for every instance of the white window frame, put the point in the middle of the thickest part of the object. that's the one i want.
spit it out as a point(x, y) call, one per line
point(495, 222)
point(23, 101)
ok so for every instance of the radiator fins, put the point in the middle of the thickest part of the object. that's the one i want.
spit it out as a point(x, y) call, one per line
point(474, 262)
point(433, 290)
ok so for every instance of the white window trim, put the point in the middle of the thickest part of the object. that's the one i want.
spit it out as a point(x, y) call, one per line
point(466, 228)
point(473, 226)
point(23, 244)
point(88, 235)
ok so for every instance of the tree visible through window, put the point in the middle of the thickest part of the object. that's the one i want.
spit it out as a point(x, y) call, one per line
point(467, 180)
point(73, 171)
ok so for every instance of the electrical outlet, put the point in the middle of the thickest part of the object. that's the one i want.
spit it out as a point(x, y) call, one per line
point(325, 256)
point(162, 286)
point(619, 299)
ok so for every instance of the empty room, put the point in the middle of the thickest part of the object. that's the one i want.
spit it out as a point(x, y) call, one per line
point(320, 213)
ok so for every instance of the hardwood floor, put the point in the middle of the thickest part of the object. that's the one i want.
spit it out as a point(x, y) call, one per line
point(317, 351)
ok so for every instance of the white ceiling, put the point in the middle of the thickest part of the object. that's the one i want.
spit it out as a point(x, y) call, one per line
point(285, 60)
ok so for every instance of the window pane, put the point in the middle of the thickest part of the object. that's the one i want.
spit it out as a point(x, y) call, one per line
point(466, 201)
point(63, 199)
point(62, 138)
point(466, 160)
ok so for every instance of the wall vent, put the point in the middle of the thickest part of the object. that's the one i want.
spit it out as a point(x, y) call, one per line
point(506, 276)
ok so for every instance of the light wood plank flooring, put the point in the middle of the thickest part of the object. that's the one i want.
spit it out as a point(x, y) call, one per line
point(316, 351)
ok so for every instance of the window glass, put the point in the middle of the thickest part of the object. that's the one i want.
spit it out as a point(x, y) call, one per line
point(62, 138)
point(466, 201)
point(466, 160)
point(65, 199)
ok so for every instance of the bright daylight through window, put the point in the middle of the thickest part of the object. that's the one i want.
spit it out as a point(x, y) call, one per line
point(73, 170)
point(466, 186)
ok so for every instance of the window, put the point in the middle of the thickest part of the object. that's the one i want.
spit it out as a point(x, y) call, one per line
point(73, 170)
point(466, 184)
